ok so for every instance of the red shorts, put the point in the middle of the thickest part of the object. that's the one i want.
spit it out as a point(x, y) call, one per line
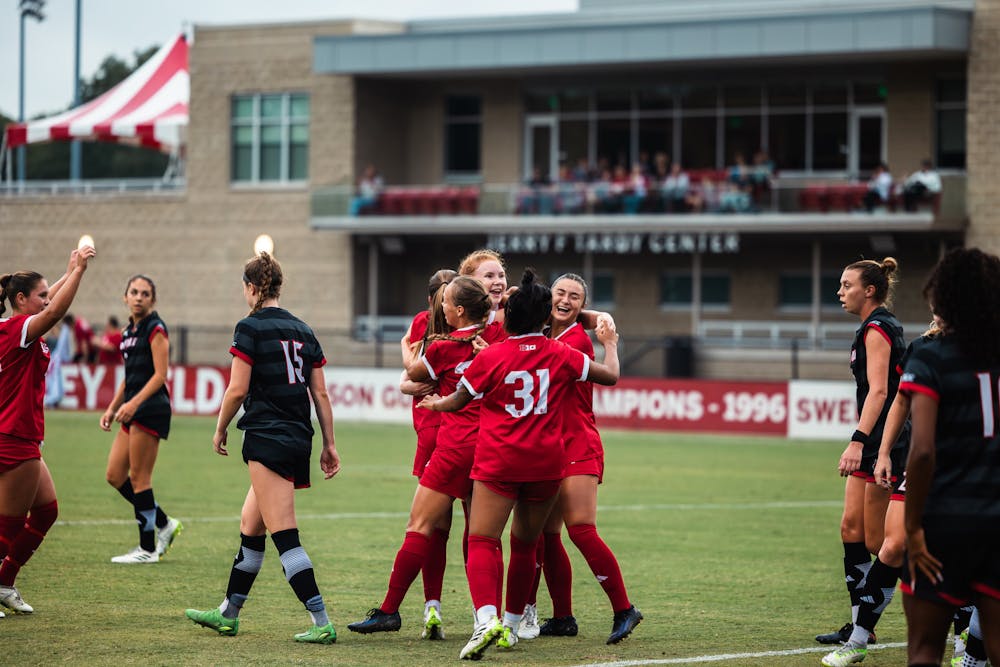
point(426, 442)
point(15, 451)
point(127, 427)
point(592, 466)
point(448, 470)
point(528, 492)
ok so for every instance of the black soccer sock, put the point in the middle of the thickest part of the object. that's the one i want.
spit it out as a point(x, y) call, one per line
point(299, 573)
point(128, 493)
point(880, 585)
point(145, 516)
point(962, 617)
point(246, 565)
point(857, 562)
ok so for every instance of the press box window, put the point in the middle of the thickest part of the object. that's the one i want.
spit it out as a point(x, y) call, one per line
point(463, 135)
point(270, 138)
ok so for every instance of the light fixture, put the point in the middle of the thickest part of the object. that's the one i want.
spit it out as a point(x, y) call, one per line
point(85, 240)
point(264, 243)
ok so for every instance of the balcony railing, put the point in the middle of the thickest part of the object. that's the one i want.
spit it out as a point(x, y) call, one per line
point(109, 186)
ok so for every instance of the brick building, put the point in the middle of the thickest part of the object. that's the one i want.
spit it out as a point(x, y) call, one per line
point(284, 118)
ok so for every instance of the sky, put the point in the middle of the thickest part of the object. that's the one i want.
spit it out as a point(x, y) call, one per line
point(122, 27)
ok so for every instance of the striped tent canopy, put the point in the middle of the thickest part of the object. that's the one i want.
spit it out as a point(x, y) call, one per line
point(149, 108)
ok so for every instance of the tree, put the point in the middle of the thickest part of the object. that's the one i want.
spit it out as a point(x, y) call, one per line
point(51, 161)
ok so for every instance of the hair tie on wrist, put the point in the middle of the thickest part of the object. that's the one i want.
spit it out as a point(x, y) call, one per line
point(860, 436)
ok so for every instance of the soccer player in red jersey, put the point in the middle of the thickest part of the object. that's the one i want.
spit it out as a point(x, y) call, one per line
point(446, 476)
point(526, 382)
point(28, 505)
point(577, 504)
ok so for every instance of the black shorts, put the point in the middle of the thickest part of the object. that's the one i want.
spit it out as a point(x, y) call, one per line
point(969, 567)
point(896, 456)
point(290, 460)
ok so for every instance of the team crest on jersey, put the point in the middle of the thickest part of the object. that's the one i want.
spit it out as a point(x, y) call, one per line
point(45, 348)
point(906, 377)
point(527, 347)
point(460, 369)
point(854, 355)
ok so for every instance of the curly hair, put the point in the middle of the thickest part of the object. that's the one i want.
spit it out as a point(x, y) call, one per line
point(471, 262)
point(964, 288)
point(529, 307)
point(264, 273)
point(12, 284)
point(880, 274)
point(470, 294)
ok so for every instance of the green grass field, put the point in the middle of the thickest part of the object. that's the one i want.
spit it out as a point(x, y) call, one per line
point(729, 545)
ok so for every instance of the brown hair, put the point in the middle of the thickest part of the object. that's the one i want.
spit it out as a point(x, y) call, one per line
point(471, 262)
point(471, 295)
point(12, 284)
point(140, 276)
point(264, 273)
point(879, 274)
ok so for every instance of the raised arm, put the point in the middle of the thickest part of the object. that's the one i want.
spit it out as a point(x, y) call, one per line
point(60, 301)
point(608, 372)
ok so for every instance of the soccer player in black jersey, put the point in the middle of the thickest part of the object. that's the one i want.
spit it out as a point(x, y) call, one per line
point(952, 514)
point(865, 290)
point(142, 406)
point(277, 366)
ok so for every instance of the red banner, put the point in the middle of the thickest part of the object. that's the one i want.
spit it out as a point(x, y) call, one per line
point(693, 405)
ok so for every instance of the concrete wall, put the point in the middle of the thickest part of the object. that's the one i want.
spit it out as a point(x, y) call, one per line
point(983, 130)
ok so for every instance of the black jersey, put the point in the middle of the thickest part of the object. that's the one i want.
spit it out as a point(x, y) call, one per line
point(283, 352)
point(967, 435)
point(883, 323)
point(138, 355)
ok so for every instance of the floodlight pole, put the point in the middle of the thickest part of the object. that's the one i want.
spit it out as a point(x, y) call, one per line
point(32, 8)
point(75, 148)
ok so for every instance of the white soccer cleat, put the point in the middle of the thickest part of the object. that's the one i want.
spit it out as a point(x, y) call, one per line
point(529, 623)
point(432, 624)
point(10, 598)
point(845, 655)
point(165, 536)
point(137, 556)
point(508, 639)
point(484, 636)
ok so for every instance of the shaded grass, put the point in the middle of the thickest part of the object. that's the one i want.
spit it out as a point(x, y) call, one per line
point(714, 561)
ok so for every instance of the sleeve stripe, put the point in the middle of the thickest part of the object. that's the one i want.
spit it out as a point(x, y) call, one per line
point(586, 368)
point(911, 387)
point(427, 365)
point(320, 363)
point(24, 332)
point(470, 388)
point(879, 329)
point(158, 329)
point(242, 355)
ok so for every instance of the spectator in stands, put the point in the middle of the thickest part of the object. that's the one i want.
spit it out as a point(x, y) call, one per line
point(635, 189)
point(675, 190)
point(59, 355)
point(369, 188)
point(571, 193)
point(109, 343)
point(582, 172)
point(923, 185)
point(83, 334)
point(600, 196)
point(761, 175)
point(734, 199)
point(879, 188)
point(537, 198)
point(661, 166)
point(739, 173)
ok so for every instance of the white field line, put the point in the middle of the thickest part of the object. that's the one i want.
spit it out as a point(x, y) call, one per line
point(342, 516)
point(722, 657)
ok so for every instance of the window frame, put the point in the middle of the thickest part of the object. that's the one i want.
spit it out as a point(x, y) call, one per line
point(256, 123)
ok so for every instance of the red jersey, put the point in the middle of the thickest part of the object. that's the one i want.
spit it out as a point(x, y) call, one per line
point(446, 360)
point(421, 418)
point(527, 383)
point(114, 355)
point(583, 441)
point(22, 380)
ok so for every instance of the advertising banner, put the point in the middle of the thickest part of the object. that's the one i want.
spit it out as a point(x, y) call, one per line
point(822, 410)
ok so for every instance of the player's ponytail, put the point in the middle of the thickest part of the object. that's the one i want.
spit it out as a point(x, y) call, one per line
point(470, 294)
point(529, 307)
point(882, 275)
point(4, 280)
point(264, 273)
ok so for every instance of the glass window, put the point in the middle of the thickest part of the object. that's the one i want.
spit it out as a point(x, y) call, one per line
point(786, 95)
point(829, 94)
point(574, 140)
point(676, 289)
point(787, 139)
point(870, 92)
point(614, 100)
point(795, 290)
point(614, 141)
point(698, 142)
point(951, 90)
point(656, 135)
point(829, 141)
point(574, 101)
point(603, 290)
point(540, 103)
point(951, 138)
point(656, 98)
point(698, 97)
point(742, 135)
point(741, 96)
point(270, 137)
point(463, 134)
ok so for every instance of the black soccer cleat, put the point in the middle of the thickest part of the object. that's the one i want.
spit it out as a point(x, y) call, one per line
point(561, 626)
point(624, 624)
point(377, 621)
point(841, 636)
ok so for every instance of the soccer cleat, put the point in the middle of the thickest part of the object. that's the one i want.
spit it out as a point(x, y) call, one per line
point(318, 635)
point(529, 623)
point(508, 639)
point(3, 615)
point(138, 556)
point(961, 640)
point(377, 621)
point(842, 636)
point(165, 536)
point(845, 655)
point(10, 598)
point(560, 626)
point(432, 624)
point(213, 619)
point(624, 623)
point(485, 635)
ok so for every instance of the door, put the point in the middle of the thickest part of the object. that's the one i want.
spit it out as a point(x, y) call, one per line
point(867, 141)
point(541, 148)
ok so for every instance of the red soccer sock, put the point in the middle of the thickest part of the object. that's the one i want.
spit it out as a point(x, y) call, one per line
point(40, 519)
point(434, 564)
point(558, 575)
point(409, 559)
point(10, 526)
point(539, 561)
point(520, 573)
point(482, 570)
point(498, 561)
point(602, 563)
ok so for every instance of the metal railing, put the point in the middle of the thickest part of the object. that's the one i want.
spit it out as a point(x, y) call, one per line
point(772, 334)
point(110, 186)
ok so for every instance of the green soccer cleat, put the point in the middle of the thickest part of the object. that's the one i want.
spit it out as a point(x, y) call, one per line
point(508, 639)
point(845, 655)
point(432, 625)
point(214, 620)
point(318, 635)
point(483, 637)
